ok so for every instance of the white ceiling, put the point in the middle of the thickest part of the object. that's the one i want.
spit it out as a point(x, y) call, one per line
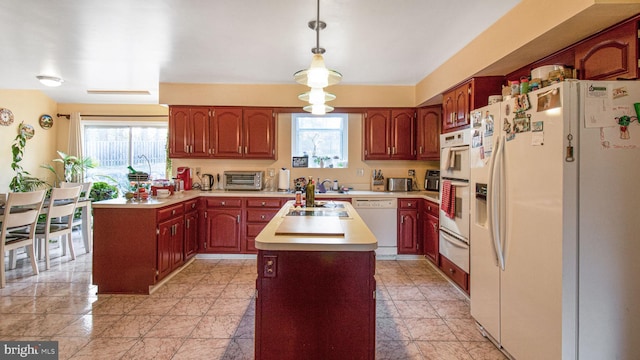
point(135, 45)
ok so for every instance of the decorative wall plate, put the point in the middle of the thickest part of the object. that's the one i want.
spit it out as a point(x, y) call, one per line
point(27, 130)
point(6, 117)
point(46, 122)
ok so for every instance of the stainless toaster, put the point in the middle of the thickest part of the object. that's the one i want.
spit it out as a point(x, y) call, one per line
point(399, 184)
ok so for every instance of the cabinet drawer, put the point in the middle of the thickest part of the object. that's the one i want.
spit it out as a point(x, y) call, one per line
point(260, 215)
point(407, 203)
point(191, 205)
point(254, 229)
point(454, 273)
point(224, 203)
point(431, 208)
point(263, 203)
point(170, 211)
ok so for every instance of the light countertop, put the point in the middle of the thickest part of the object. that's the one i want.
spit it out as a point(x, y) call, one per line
point(155, 202)
point(357, 236)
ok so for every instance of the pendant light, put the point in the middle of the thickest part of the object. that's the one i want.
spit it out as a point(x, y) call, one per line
point(317, 76)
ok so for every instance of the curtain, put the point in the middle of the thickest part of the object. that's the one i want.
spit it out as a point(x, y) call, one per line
point(75, 140)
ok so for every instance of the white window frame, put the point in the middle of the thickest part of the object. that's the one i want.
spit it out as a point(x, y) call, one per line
point(344, 131)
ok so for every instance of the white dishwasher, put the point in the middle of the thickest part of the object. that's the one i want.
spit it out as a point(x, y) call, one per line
point(381, 216)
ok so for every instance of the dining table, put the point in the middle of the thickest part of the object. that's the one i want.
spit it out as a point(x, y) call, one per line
point(84, 203)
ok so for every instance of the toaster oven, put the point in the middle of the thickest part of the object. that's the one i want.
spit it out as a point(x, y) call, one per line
point(243, 180)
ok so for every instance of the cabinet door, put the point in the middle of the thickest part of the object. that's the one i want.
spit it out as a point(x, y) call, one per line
point(448, 110)
point(199, 131)
point(408, 232)
point(430, 236)
point(179, 138)
point(428, 134)
point(227, 133)
point(403, 134)
point(177, 244)
point(461, 100)
point(164, 249)
point(190, 234)
point(610, 55)
point(223, 230)
point(259, 131)
point(376, 135)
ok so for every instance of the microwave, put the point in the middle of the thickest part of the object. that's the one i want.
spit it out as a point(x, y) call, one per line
point(243, 180)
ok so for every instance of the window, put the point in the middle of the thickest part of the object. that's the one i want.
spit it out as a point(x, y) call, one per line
point(322, 138)
point(115, 146)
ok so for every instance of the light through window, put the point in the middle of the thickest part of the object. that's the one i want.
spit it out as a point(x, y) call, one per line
point(115, 146)
point(322, 138)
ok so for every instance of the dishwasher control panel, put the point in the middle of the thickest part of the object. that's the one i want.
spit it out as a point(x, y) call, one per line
point(371, 203)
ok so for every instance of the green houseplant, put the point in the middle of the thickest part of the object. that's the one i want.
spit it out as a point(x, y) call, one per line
point(73, 167)
point(22, 181)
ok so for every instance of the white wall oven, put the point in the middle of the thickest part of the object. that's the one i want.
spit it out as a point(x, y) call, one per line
point(455, 196)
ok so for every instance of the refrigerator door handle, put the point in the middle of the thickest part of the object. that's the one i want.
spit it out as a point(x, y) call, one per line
point(494, 199)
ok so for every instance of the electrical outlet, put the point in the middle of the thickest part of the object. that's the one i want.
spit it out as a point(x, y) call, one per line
point(360, 172)
point(198, 171)
point(412, 172)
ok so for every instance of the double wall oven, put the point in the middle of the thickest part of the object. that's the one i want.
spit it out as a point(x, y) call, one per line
point(454, 172)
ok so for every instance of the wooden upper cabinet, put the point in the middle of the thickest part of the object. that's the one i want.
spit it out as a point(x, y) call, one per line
point(226, 133)
point(389, 134)
point(376, 135)
point(189, 131)
point(259, 133)
point(609, 56)
point(472, 94)
point(403, 134)
point(428, 133)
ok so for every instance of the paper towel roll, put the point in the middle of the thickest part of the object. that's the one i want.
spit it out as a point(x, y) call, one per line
point(283, 180)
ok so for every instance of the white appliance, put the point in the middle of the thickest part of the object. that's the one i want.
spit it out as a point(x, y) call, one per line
point(454, 169)
point(554, 223)
point(381, 217)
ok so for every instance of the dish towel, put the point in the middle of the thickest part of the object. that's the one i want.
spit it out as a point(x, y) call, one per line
point(448, 201)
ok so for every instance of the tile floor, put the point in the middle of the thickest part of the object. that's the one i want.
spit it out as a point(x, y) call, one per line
point(207, 312)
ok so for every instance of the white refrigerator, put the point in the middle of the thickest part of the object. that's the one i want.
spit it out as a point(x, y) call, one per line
point(555, 222)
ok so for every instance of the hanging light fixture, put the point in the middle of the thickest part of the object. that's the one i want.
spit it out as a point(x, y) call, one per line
point(317, 76)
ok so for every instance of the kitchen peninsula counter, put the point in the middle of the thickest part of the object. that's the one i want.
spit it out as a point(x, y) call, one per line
point(315, 295)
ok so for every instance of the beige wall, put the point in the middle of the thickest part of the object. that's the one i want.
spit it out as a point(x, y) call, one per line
point(27, 106)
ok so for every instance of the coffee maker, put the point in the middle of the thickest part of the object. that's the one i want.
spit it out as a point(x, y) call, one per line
point(184, 174)
point(432, 180)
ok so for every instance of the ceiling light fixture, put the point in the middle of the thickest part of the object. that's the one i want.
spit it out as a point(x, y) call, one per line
point(317, 76)
point(51, 81)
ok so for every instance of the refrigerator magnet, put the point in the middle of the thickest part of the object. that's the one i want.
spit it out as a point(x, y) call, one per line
point(522, 123)
point(537, 126)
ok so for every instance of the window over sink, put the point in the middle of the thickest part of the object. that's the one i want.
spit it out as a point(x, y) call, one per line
point(324, 139)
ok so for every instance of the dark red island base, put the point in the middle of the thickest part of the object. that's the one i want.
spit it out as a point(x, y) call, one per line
point(315, 305)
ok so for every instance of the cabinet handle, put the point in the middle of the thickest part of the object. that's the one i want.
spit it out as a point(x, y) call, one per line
point(264, 203)
point(429, 207)
point(238, 219)
point(193, 206)
point(188, 223)
point(222, 203)
point(394, 150)
point(451, 271)
point(402, 219)
point(435, 228)
point(262, 217)
point(239, 149)
point(388, 150)
point(173, 212)
point(420, 150)
point(245, 150)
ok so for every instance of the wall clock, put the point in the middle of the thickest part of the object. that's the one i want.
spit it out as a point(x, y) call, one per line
point(6, 117)
point(46, 122)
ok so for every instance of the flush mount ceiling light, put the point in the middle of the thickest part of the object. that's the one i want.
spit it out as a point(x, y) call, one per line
point(317, 76)
point(51, 81)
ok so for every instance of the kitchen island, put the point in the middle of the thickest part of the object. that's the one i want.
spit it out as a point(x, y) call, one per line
point(315, 294)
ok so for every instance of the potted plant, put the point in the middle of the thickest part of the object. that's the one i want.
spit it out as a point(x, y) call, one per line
point(22, 181)
point(73, 167)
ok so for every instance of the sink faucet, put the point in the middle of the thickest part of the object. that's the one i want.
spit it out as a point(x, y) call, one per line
point(322, 188)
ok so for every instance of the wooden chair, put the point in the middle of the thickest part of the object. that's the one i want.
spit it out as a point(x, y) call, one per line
point(85, 220)
point(62, 204)
point(18, 226)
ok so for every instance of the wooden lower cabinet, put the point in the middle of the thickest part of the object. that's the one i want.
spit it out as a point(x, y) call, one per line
point(190, 234)
point(409, 242)
point(315, 305)
point(223, 228)
point(459, 276)
point(430, 230)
